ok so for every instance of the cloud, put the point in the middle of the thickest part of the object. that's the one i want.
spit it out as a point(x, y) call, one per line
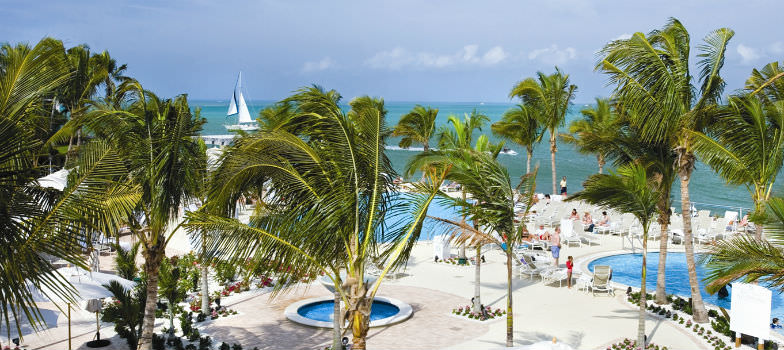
point(553, 55)
point(399, 57)
point(623, 36)
point(324, 64)
point(747, 54)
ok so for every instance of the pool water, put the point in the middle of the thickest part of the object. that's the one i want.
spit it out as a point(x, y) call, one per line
point(626, 270)
point(322, 311)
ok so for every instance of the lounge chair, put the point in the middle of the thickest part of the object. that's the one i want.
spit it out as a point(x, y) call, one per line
point(529, 268)
point(553, 275)
point(601, 280)
point(568, 236)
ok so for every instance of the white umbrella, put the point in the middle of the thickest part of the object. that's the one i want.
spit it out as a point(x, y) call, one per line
point(89, 286)
point(57, 180)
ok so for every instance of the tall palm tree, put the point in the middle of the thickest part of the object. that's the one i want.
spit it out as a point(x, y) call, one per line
point(416, 126)
point(628, 191)
point(107, 67)
point(595, 133)
point(163, 159)
point(480, 174)
point(37, 222)
point(333, 185)
point(750, 258)
point(459, 134)
point(652, 78)
point(520, 125)
point(745, 146)
point(550, 95)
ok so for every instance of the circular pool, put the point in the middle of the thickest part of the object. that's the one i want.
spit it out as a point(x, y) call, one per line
point(626, 270)
point(318, 312)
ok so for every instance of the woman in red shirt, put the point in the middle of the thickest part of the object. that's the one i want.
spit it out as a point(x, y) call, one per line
point(569, 265)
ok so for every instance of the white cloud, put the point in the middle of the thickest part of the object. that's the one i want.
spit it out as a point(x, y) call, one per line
point(399, 57)
point(623, 36)
point(553, 55)
point(747, 54)
point(323, 64)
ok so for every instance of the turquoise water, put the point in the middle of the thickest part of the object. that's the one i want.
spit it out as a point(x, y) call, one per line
point(626, 269)
point(323, 310)
point(706, 187)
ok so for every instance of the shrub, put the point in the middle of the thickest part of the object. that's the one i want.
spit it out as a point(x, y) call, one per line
point(190, 347)
point(224, 346)
point(201, 317)
point(205, 343)
point(158, 342)
point(186, 324)
point(126, 312)
point(194, 335)
point(236, 347)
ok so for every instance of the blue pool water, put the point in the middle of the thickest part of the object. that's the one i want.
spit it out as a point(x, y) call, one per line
point(626, 270)
point(322, 311)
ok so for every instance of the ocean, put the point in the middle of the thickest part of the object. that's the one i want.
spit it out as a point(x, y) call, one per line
point(707, 189)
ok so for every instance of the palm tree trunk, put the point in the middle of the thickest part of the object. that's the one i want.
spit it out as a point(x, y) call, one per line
point(600, 160)
point(336, 322)
point(68, 151)
point(477, 271)
point(643, 295)
point(553, 149)
point(152, 264)
point(698, 307)
point(509, 312)
point(461, 254)
point(661, 291)
point(528, 160)
point(205, 285)
point(360, 323)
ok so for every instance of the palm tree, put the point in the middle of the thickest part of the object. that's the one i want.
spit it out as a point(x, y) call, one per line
point(750, 258)
point(480, 174)
point(628, 148)
point(333, 181)
point(164, 161)
point(37, 222)
point(767, 83)
point(745, 145)
point(416, 126)
point(595, 132)
point(520, 125)
point(550, 95)
point(652, 78)
point(628, 191)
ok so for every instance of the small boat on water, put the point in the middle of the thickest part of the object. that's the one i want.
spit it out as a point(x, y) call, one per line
point(238, 107)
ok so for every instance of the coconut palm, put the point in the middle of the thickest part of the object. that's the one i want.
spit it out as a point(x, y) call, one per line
point(630, 190)
point(628, 148)
point(163, 159)
point(416, 126)
point(480, 173)
point(745, 146)
point(333, 185)
point(652, 77)
point(39, 223)
point(520, 125)
point(767, 83)
point(595, 133)
point(750, 258)
point(550, 95)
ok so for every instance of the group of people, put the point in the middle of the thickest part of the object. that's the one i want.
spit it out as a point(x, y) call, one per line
point(588, 221)
point(554, 240)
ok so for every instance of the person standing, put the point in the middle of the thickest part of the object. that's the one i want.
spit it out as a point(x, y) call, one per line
point(555, 244)
point(569, 266)
point(563, 187)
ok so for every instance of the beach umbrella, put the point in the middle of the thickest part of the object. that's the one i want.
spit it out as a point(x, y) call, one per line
point(89, 286)
point(57, 180)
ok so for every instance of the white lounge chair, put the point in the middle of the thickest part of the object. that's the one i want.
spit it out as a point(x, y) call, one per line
point(530, 268)
point(554, 275)
point(568, 236)
point(601, 280)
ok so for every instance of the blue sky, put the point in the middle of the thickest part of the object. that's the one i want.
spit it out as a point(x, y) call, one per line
point(403, 50)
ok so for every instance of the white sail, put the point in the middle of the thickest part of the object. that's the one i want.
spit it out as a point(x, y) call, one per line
point(238, 106)
point(233, 103)
point(243, 111)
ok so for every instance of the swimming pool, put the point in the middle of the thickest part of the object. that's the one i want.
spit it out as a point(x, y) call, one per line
point(626, 270)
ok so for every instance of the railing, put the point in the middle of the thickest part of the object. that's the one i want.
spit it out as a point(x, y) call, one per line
point(700, 206)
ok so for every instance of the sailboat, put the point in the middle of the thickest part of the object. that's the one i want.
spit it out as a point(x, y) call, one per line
point(237, 106)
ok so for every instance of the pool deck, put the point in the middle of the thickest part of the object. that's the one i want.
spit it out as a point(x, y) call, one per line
point(541, 312)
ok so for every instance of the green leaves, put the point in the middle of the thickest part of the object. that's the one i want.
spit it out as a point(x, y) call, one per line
point(416, 126)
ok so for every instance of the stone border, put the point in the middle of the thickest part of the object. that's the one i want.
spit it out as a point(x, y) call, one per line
point(291, 313)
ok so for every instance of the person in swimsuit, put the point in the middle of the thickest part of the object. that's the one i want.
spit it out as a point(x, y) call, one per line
point(563, 186)
point(555, 245)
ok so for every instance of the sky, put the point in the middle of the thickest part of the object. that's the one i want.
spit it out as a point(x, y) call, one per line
point(401, 50)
